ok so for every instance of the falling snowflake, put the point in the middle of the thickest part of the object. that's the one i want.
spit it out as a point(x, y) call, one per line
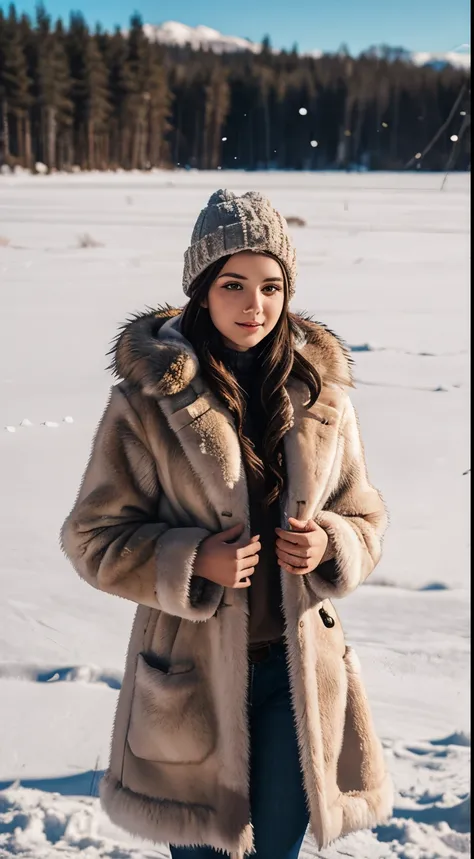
point(302, 111)
point(224, 139)
point(418, 155)
point(314, 144)
point(454, 138)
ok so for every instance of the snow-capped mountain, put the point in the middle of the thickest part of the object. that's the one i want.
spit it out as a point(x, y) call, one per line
point(174, 33)
point(179, 35)
point(458, 59)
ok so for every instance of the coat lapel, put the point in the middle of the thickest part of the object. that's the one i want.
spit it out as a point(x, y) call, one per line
point(209, 440)
point(207, 435)
point(311, 447)
point(210, 443)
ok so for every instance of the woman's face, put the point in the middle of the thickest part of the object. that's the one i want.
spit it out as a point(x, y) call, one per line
point(246, 299)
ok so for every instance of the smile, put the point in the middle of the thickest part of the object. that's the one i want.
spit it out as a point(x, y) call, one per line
point(250, 324)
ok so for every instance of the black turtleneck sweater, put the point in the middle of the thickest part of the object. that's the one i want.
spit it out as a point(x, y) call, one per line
point(266, 619)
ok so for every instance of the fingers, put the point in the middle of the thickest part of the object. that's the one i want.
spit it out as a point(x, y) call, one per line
point(233, 536)
point(300, 538)
point(248, 551)
point(303, 524)
point(242, 576)
point(245, 583)
point(293, 549)
point(291, 560)
point(295, 571)
point(246, 563)
point(309, 537)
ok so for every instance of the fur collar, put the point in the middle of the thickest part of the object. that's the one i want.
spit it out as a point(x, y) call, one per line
point(151, 353)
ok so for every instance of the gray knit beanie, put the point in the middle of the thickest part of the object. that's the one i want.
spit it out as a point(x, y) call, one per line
point(229, 224)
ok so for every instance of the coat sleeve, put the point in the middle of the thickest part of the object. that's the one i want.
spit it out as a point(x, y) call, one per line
point(354, 518)
point(112, 537)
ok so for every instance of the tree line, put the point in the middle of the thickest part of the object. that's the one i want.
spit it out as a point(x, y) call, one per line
point(72, 97)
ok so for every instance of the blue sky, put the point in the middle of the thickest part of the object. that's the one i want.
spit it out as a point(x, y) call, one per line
point(418, 25)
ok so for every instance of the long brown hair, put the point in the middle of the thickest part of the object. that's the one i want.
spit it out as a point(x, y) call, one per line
point(277, 359)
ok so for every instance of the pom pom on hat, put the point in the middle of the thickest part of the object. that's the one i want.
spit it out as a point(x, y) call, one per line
point(221, 196)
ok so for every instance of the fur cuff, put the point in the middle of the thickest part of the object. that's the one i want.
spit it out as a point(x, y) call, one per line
point(178, 591)
point(349, 556)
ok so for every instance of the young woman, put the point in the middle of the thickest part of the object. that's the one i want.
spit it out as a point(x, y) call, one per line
point(227, 495)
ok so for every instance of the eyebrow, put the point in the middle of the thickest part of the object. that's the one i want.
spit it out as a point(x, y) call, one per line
point(241, 277)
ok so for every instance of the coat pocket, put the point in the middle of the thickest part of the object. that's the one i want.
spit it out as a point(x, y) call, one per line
point(171, 717)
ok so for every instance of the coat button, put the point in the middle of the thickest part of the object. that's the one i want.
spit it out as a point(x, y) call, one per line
point(301, 622)
point(326, 618)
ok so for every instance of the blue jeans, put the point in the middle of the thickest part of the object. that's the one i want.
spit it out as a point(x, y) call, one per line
point(277, 797)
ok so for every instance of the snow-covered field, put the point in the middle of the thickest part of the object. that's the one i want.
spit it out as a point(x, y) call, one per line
point(384, 261)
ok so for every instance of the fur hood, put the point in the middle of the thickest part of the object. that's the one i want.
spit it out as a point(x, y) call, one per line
point(151, 354)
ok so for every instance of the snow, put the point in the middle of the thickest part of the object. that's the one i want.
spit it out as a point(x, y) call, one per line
point(180, 35)
point(384, 261)
point(458, 59)
point(174, 33)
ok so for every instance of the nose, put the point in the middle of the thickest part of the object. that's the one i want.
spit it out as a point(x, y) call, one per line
point(254, 303)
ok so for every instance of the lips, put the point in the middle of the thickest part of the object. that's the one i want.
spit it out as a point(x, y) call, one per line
point(249, 325)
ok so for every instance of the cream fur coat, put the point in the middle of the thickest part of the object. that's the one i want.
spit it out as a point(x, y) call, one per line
point(165, 472)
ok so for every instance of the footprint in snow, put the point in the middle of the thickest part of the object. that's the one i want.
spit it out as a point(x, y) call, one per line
point(27, 423)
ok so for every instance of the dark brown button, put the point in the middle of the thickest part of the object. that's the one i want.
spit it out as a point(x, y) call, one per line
point(326, 618)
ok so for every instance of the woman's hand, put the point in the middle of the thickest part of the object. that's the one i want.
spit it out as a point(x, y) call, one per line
point(226, 563)
point(302, 549)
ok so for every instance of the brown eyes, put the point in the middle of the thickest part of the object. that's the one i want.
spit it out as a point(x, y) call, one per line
point(270, 286)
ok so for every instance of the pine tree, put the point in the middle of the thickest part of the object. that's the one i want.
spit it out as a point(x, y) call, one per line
point(138, 48)
point(158, 105)
point(28, 41)
point(216, 108)
point(149, 98)
point(89, 93)
point(14, 88)
point(98, 105)
point(4, 127)
point(120, 87)
point(54, 89)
